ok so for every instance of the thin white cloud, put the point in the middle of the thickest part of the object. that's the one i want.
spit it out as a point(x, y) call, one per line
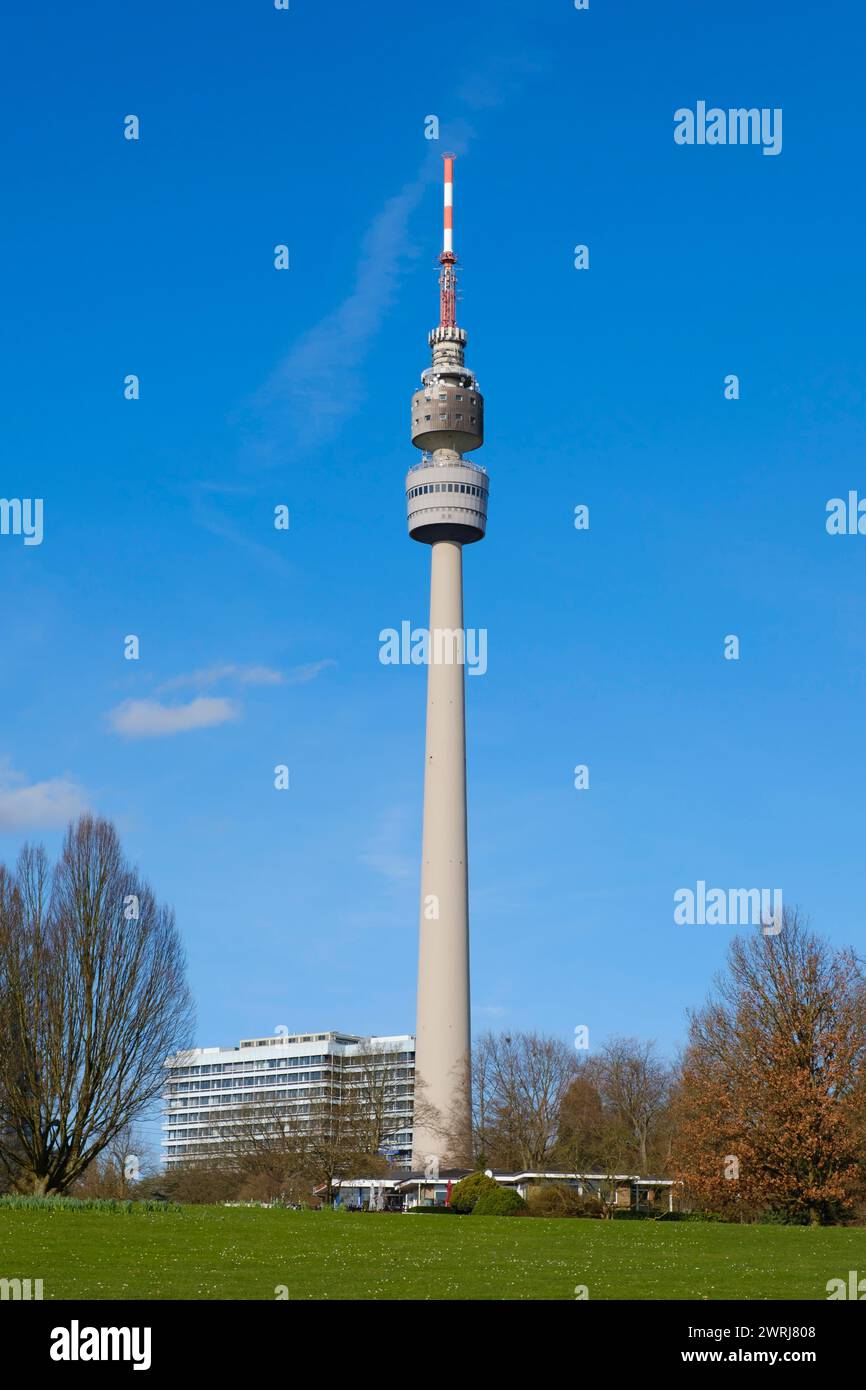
point(246, 675)
point(152, 719)
point(212, 675)
point(39, 806)
point(385, 852)
point(317, 385)
point(259, 675)
point(216, 507)
point(502, 78)
point(300, 675)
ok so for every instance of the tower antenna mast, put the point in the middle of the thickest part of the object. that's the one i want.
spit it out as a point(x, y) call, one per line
point(447, 258)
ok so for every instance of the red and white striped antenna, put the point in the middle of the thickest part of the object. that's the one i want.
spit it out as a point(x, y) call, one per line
point(448, 205)
point(447, 258)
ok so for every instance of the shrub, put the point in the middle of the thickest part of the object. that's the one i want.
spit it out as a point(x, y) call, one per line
point(691, 1216)
point(774, 1217)
point(561, 1199)
point(192, 1183)
point(432, 1211)
point(465, 1193)
point(505, 1201)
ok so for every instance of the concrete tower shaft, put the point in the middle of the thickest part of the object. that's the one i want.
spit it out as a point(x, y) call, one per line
point(446, 500)
point(442, 1030)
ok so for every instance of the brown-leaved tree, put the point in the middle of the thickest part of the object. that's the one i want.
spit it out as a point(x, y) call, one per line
point(771, 1098)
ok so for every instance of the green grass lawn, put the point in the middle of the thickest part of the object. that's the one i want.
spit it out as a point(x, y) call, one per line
point(245, 1253)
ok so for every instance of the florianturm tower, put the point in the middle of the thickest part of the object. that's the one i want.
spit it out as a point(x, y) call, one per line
point(446, 496)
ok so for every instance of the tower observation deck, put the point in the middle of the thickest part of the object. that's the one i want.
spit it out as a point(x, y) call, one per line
point(446, 494)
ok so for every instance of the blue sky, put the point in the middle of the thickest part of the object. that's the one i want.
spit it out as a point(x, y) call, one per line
point(602, 387)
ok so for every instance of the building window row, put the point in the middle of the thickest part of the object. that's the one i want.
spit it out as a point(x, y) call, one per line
point(278, 1063)
point(215, 1068)
point(228, 1083)
point(443, 415)
point(469, 488)
point(244, 1097)
point(345, 1075)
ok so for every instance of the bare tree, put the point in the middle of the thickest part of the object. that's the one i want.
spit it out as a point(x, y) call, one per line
point(93, 997)
point(259, 1145)
point(192, 1182)
point(593, 1137)
point(635, 1085)
point(281, 1148)
point(582, 1131)
point(374, 1083)
point(483, 1097)
point(458, 1146)
point(612, 1156)
point(119, 1169)
point(524, 1078)
point(333, 1143)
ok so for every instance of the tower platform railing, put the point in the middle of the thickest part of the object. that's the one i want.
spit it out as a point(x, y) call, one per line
point(446, 463)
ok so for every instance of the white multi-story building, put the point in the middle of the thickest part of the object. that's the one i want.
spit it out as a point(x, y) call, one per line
point(291, 1074)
